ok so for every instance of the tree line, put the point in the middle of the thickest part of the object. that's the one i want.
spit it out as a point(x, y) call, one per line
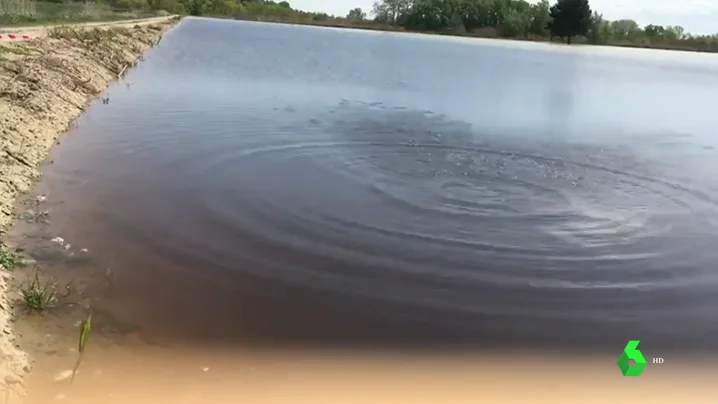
point(520, 19)
point(568, 20)
point(261, 9)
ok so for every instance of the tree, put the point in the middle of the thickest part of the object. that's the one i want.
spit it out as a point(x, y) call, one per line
point(539, 18)
point(196, 7)
point(674, 32)
point(654, 31)
point(600, 30)
point(356, 14)
point(320, 17)
point(389, 10)
point(221, 7)
point(569, 18)
point(626, 29)
point(132, 4)
point(516, 24)
point(380, 12)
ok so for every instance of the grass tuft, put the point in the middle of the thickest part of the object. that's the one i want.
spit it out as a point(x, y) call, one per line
point(10, 259)
point(37, 296)
point(89, 36)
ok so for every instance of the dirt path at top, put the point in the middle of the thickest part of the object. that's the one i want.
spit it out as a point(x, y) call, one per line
point(41, 30)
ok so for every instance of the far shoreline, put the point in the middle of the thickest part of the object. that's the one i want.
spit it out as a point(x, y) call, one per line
point(401, 30)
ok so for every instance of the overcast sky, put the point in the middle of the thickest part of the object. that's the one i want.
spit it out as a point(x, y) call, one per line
point(696, 16)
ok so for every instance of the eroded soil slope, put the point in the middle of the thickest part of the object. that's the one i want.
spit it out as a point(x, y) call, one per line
point(44, 85)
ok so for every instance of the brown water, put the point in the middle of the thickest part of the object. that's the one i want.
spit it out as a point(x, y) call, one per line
point(294, 190)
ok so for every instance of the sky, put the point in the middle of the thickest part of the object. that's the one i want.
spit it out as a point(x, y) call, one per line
point(696, 16)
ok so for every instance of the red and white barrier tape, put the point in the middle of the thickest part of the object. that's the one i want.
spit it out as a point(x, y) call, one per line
point(16, 37)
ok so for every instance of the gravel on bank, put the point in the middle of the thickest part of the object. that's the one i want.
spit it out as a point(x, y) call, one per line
point(45, 84)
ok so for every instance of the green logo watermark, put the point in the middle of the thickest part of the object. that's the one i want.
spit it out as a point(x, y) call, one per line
point(632, 353)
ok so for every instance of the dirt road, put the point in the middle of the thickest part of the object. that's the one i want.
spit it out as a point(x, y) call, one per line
point(41, 30)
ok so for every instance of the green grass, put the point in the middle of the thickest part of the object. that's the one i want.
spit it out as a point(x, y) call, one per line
point(28, 21)
point(15, 13)
point(85, 329)
point(10, 259)
point(39, 296)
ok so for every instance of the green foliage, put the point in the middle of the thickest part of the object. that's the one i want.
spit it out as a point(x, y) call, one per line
point(539, 19)
point(654, 31)
point(512, 18)
point(85, 330)
point(395, 11)
point(600, 30)
point(675, 33)
point(572, 20)
point(131, 4)
point(516, 24)
point(356, 14)
point(627, 30)
point(569, 18)
point(320, 17)
point(9, 259)
point(256, 9)
point(28, 12)
point(171, 6)
point(223, 7)
point(38, 296)
point(195, 7)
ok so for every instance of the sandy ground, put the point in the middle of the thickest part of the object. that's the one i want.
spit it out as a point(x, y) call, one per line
point(131, 371)
point(45, 84)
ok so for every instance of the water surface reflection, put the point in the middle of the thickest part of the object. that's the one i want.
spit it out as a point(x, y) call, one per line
point(424, 191)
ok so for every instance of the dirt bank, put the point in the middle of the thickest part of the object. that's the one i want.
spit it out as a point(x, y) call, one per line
point(44, 85)
point(39, 30)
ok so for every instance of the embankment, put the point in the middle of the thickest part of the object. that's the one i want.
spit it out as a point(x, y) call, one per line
point(45, 84)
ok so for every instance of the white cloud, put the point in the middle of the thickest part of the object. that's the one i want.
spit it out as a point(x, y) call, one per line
point(627, 8)
point(696, 16)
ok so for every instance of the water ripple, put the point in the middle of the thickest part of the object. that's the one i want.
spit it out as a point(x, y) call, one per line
point(413, 208)
point(367, 198)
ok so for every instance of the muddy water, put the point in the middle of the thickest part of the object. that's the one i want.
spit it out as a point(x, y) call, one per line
point(299, 199)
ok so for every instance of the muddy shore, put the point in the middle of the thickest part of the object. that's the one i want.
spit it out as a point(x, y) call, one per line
point(45, 84)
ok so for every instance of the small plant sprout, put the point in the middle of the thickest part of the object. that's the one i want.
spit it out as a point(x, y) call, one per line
point(9, 259)
point(85, 329)
point(38, 296)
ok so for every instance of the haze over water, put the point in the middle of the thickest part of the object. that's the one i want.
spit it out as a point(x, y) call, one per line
point(261, 183)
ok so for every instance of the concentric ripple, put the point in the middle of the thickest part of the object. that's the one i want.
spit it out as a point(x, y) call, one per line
point(286, 182)
point(415, 208)
point(423, 214)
